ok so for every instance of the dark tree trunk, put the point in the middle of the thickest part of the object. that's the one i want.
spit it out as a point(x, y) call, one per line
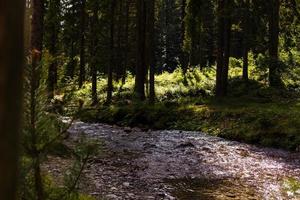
point(82, 44)
point(224, 32)
point(183, 56)
point(150, 48)
point(27, 27)
point(140, 59)
point(169, 42)
point(227, 35)
point(112, 53)
point(72, 62)
point(245, 64)
point(220, 47)
point(126, 42)
point(37, 25)
point(11, 68)
point(52, 76)
point(118, 50)
point(94, 41)
point(246, 41)
point(274, 76)
point(94, 83)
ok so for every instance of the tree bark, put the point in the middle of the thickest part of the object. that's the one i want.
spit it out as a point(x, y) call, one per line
point(54, 29)
point(183, 56)
point(245, 64)
point(118, 49)
point(150, 48)
point(11, 69)
point(70, 71)
point(126, 59)
point(140, 59)
point(274, 76)
point(246, 41)
point(37, 25)
point(93, 51)
point(82, 44)
point(223, 54)
point(227, 36)
point(112, 53)
point(220, 47)
point(27, 27)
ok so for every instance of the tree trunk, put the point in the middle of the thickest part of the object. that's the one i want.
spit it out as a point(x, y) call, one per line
point(274, 76)
point(227, 36)
point(220, 47)
point(150, 48)
point(11, 68)
point(118, 50)
point(37, 25)
point(93, 51)
point(126, 42)
point(72, 62)
point(27, 27)
point(141, 59)
point(184, 56)
point(245, 64)
point(112, 53)
point(94, 83)
point(52, 70)
point(82, 44)
point(224, 32)
point(246, 41)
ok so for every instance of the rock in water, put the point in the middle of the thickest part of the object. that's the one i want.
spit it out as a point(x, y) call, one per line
point(126, 184)
point(127, 130)
point(111, 196)
point(186, 145)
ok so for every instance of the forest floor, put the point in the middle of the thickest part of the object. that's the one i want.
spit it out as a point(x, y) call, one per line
point(144, 164)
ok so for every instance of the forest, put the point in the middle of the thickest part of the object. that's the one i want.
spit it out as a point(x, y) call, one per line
point(150, 99)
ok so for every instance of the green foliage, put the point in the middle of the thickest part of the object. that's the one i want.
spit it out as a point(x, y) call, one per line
point(172, 86)
point(292, 186)
point(169, 86)
point(43, 134)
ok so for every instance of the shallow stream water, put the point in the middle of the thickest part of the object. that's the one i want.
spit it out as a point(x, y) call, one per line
point(145, 164)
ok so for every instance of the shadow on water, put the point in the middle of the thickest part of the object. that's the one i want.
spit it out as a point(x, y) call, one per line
point(210, 189)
